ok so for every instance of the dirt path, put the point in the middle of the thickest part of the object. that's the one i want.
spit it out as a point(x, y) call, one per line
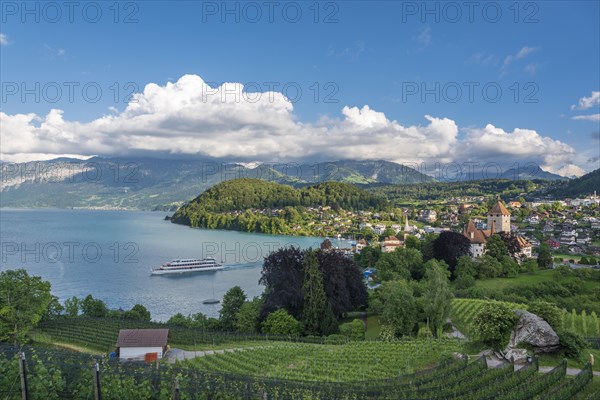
point(174, 355)
point(570, 371)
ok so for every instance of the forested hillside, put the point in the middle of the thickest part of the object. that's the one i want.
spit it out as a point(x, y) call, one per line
point(245, 193)
point(584, 185)
point(445, 190)
point(259, 206)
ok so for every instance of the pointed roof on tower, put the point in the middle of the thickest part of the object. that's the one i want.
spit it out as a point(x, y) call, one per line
point(499, 209)
point(473, 234)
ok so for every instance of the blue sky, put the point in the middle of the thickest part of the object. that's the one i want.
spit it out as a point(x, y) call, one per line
point(353, 53)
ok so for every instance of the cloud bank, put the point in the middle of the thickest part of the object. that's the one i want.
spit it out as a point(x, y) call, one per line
point(189, 117)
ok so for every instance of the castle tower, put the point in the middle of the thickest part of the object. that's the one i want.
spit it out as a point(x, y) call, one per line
point(499, 219)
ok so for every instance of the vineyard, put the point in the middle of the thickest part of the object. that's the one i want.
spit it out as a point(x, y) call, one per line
point(271, 367)
point(464, 310)
point(54, 374)
point(101, 334)
point(354, 361)
point(585, 324)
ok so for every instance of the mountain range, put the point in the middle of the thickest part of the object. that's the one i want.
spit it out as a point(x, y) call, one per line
point(149, 183)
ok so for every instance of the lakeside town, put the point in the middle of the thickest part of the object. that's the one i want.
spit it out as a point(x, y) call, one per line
point(569, 226)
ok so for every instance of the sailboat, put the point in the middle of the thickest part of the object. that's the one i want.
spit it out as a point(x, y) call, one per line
point(213, 300)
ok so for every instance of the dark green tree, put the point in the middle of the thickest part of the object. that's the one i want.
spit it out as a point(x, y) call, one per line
point(427, 246)
point(402, 263)
point(138, 312)
point(344, 285)
point(91, 307)
point(317, 317)
point(488, 267)
point(23, 301)
point(493, 323)
point(248, 320)
point(368, 257)
point(412, 242)
point(496, 248)
point(450, 246)
point(283, 276)
point(280, 322)
point(544, 259)
point(399, 307)
point(510, 268)
point(465, 267)
point(54, 309)
point(232, 303)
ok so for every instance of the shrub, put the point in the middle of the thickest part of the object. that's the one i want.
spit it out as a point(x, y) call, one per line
point(548, 312)
point(493, 324)
point(572, 343)
point(346, 329)
point(282, 323)
point(358, 330)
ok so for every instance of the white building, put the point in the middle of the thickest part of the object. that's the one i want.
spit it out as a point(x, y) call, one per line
point(142, 344)
point(390, 244)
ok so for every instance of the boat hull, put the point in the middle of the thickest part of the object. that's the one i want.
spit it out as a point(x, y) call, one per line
point(189, 270)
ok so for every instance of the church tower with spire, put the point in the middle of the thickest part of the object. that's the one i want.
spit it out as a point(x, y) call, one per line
point(499, 219)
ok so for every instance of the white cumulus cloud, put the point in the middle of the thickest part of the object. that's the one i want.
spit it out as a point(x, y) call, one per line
point(587, 102)
point(190, 117)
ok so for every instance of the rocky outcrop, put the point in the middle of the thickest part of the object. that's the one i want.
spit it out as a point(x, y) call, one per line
point(516, 356)
point(531, 332)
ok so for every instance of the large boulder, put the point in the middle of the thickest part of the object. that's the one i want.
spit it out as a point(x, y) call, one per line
point(532, 332)
point(517, 356)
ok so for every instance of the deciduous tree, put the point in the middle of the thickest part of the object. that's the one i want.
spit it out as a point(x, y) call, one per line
point(493, 324)
point(232, 303)
point(23, 301)
point(399, 307)
point(437, 296)
point(450, 246)
point(280, 322)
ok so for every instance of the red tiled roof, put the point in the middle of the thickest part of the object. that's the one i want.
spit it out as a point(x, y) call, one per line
point(523, 242)
point(479, 236)
point(499, 209)
point(142, 338)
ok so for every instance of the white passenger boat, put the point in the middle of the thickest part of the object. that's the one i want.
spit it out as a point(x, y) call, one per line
point(187, 265)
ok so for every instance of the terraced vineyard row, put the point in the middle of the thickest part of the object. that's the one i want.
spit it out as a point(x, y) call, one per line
point(587, 325)
point(67, 375)
point(355, 361)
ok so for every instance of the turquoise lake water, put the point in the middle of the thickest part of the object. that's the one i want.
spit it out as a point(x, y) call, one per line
point(109, 254)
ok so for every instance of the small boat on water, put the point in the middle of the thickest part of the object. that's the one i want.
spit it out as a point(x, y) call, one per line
point(213, 300)
point(187, 265)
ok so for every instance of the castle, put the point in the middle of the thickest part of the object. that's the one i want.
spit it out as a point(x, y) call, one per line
point(498, 221)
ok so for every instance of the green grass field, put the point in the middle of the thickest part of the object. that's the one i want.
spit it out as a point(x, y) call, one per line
point(532, 278)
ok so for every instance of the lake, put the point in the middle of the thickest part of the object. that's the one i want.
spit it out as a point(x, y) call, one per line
point(109, 254)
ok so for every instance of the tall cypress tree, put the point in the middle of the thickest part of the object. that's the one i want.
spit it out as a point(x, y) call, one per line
point(317, 315)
